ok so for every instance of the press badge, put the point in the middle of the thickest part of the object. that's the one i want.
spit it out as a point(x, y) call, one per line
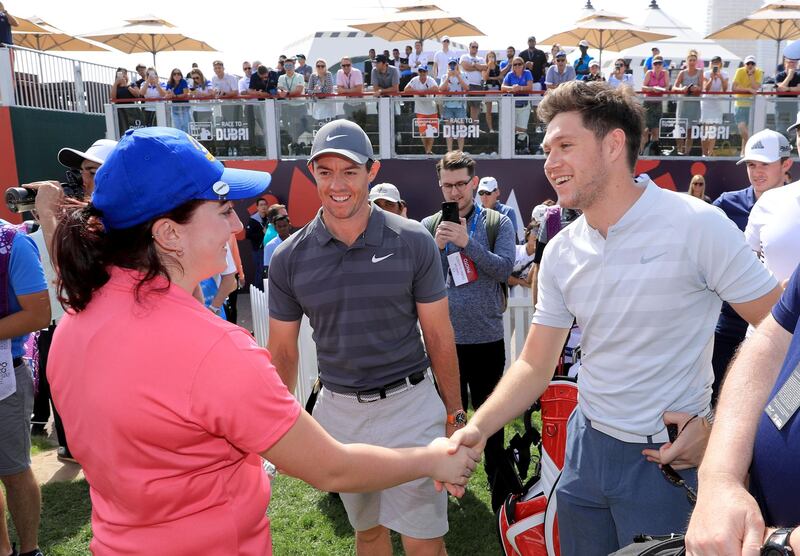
point(462, 269)
point(786, 402)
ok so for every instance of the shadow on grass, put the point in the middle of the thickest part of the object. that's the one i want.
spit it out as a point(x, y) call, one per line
point(65, 528)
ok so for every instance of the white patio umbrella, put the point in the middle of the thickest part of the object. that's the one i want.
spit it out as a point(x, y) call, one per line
point(37, 34)
point(606, 31)
point(778, 20)
point(419, 23)
point(148, 34)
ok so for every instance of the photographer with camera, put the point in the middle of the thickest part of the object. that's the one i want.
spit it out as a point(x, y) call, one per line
point(49, 198)
point(123, 89)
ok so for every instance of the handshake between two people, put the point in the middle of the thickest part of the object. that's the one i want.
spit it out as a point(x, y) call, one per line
point(465, 444)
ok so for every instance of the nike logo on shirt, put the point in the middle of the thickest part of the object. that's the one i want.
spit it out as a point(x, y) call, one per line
point(376, 259)
point(645, 260)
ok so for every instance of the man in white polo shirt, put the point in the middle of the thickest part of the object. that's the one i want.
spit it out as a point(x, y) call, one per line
point(773, 227)
point(644, 272)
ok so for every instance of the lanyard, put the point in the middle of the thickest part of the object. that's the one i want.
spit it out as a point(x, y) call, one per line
point(475, 215)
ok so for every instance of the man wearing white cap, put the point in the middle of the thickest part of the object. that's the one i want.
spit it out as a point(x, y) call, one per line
point(767, 159)
point(559, 72)
point(49, 199)
point(489, 194)
point(594, 72)
point(441, 59)
point(747, 79)
point(581, 64)
point(773, 229)
point(387, 197)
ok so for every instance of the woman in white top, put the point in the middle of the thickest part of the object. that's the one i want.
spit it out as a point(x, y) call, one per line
point(618, 77)
point(201, 109)
point(716, 81)
point(151, 88)
point(321, 83)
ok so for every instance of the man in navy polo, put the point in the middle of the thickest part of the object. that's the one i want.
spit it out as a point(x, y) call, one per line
point(766, 155)
point(756, 434)
point(365, 277)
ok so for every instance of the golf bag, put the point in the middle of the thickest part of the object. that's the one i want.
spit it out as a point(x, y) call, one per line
point(527, 521)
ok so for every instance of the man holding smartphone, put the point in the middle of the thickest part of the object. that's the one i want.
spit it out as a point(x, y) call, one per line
point(477, 252)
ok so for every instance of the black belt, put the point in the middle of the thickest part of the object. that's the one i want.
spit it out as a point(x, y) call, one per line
point(17, 361)
point(367, 396)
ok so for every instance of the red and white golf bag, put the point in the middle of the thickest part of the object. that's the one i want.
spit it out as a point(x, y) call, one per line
point(527, 521)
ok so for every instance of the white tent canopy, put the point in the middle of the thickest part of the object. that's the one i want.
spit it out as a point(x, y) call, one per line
point(685, 38)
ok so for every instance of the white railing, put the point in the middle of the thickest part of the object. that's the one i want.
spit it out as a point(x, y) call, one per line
point(307, 364)
point(516, 322)
point(40, 80)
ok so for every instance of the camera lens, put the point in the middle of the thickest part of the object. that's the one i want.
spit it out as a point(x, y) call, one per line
point(20, 199)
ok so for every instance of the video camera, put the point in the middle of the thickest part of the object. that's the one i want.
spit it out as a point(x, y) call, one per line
point(23, 199)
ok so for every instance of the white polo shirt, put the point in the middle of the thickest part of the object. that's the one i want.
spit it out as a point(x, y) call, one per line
point(647, 299)
point(773, 229)
point(442, 59)
point(416, 60)
point(474, 77)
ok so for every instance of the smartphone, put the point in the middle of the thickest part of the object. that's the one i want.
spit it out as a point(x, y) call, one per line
point(119, 75)
point(450, 212)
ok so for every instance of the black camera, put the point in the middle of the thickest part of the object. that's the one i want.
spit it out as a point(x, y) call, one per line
point(23, 199)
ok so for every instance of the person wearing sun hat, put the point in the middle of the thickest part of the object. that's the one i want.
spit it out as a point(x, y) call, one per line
point(170, 408)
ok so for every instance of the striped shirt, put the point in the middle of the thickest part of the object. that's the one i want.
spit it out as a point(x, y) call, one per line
point(647, 298)
point(361, 300)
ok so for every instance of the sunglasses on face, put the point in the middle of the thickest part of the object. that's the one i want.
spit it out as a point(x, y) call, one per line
point(320, 65)
point(482, 193)
point(618, 66)
point(345, 65)
point(177, 73)
point(561, 59)
point(750, 64)
point(196, 78)
point(658, 63)
point(516, 64)
point(247, 68)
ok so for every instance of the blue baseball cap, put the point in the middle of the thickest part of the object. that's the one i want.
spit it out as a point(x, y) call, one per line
point(154, 170)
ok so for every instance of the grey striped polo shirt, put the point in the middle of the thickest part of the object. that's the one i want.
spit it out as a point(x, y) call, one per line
point(360, 300)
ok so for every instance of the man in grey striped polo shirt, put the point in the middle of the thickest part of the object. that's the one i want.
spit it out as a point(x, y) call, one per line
point(644, 272)
point(364, 277)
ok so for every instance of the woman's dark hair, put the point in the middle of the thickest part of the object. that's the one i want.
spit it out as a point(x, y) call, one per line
point(172, 83)
point(83, 251)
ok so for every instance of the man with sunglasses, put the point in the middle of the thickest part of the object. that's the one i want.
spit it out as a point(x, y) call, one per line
point(477, 256)
point(489, 196)
point(350, 81)
point(560, 72)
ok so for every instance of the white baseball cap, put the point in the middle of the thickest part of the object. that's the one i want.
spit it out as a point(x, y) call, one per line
point(795, 124)
point(487, 184)
point(766, 146)
point(98, 152)
point(750, 58)
point(538, 213)
point(594, 62)
point(385, 191)
point(584, 42)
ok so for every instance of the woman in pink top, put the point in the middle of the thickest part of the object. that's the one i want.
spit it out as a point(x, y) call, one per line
point(655, 84)
point(169, 408)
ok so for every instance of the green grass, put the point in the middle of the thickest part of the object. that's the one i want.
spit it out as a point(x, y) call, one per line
point(304, 520)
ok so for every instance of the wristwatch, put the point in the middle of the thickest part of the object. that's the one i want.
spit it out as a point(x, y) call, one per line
point(778, 543)
point(458, 418)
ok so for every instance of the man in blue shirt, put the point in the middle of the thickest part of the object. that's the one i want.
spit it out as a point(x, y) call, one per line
point(25, 309)
point(581, 64)
point(755, 419)
point(765, 170)
point(489, 195)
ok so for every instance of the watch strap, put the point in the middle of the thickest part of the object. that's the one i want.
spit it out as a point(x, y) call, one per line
point(778, 542)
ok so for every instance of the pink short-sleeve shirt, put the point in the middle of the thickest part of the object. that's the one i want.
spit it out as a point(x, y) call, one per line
point(167, 407)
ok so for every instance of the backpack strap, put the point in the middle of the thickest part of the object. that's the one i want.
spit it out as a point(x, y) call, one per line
point(434, 222)
point(7, 234)
point(492, 222)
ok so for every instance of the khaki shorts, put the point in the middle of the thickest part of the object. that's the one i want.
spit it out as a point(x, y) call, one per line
point(413, 417)
point(15, 425)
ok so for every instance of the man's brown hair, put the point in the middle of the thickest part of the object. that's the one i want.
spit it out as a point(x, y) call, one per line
point(602, 109)
point(455, 160)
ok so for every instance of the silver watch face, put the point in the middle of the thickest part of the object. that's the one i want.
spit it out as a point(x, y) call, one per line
point(461, 418)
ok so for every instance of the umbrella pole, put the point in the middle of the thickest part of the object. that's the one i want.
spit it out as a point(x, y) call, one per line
point(778, 46)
